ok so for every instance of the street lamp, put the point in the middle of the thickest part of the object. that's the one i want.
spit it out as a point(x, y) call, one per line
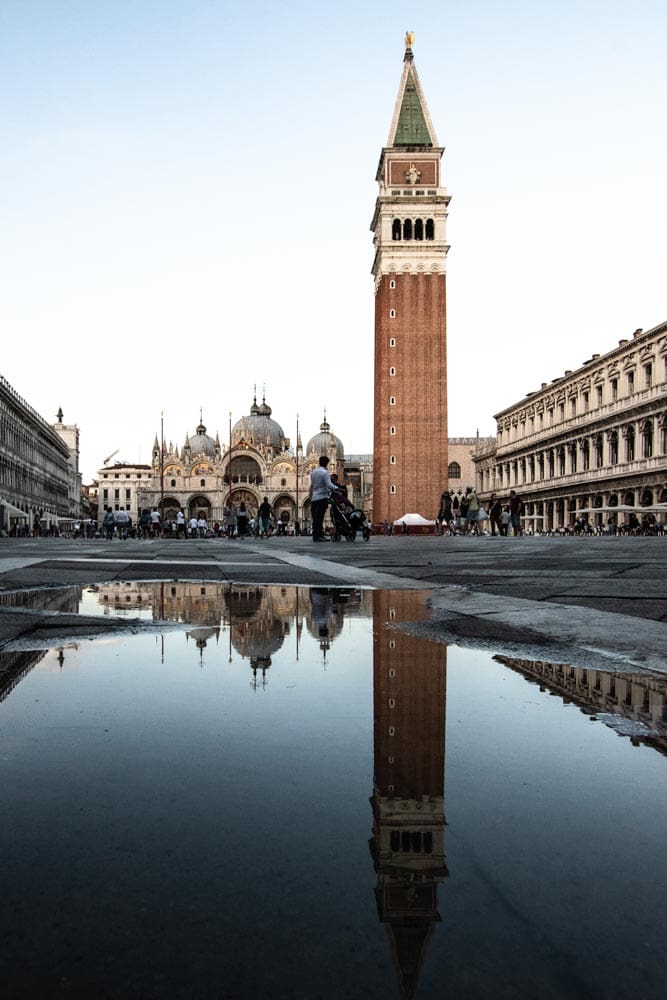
point(297, 529)
point(229, 462)
point(161, 465)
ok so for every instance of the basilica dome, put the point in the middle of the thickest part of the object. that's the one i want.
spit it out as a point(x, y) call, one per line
point(322, 443)
point(258, 428)
point(201, 444)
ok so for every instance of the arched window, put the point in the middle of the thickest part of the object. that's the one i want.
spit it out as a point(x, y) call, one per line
point(396, 229)
point(599, 451)
point(647, 439)
point(454, 470)
point(407, 229)
point(613, 448)
point(585, 456)
point(630, 444)
point(430, 229)
point(244, 469)
point(419, 229)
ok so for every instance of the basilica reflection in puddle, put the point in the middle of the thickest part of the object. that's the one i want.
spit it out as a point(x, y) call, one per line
point(203, 790)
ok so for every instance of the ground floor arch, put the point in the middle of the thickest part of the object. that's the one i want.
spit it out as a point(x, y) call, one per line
point(246, 496)
point(169, 507)
point(199, 506)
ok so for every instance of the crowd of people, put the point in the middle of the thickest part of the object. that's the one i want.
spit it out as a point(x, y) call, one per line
point(236, 522)
point(468, 516)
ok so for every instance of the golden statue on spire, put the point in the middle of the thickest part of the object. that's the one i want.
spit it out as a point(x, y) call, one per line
point(409, 39)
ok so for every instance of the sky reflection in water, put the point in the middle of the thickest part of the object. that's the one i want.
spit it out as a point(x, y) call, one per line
point(187, 813)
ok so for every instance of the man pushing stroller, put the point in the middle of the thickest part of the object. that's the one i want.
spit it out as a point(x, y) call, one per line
point(347, 520)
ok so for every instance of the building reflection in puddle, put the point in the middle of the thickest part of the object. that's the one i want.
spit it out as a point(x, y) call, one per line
point(635, 705)
point(255, 621)
point(14, 666)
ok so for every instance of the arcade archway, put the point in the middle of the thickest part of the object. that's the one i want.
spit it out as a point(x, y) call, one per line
point(199, 506)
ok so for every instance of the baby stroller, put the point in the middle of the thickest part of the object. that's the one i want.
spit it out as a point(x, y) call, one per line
point(347, 520)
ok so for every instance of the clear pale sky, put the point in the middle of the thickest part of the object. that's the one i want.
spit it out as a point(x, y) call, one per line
point(186, 190)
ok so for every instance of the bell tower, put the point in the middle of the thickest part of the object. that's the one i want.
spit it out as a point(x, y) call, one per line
point(408, 226)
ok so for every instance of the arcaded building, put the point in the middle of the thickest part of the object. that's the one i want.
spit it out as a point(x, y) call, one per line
point(593, 439)
point(410, 388)
point(39, 471)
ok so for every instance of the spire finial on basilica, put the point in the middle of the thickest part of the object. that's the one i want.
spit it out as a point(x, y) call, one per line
point(409, 39)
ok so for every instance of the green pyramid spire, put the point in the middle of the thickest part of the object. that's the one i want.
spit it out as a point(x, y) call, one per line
point(411, 128)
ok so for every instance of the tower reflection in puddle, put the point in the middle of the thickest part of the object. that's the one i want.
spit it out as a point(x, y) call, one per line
point(407, 846)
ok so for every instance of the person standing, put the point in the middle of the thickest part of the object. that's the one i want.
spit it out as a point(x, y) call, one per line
point(320, 486)
point(264, 514)
point(109, 524)
point(180, 523)
point(194, 527)
point(122, 520)
point(229, 519)
point(155, 523)
point(242, 520)
point(472, 512)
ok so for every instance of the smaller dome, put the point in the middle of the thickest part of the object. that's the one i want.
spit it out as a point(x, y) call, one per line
point(325, 441)
point(200, 443)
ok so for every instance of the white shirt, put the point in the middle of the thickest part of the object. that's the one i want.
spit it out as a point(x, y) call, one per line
point(320, 482)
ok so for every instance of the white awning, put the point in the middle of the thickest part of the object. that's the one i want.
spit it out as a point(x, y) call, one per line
point(14, 513)
point(413, 519)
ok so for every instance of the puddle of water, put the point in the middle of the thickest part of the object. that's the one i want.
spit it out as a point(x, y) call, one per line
point(188, 815)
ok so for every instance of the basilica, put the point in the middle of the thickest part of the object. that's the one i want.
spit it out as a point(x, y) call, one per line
point(204, 474)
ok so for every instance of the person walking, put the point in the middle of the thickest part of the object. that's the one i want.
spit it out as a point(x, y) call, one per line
point(109, 524)
point(145, 524)
point(495, 515)
point(516, 510)
point(444, 518)
point(155, 523)
point(320, 486)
